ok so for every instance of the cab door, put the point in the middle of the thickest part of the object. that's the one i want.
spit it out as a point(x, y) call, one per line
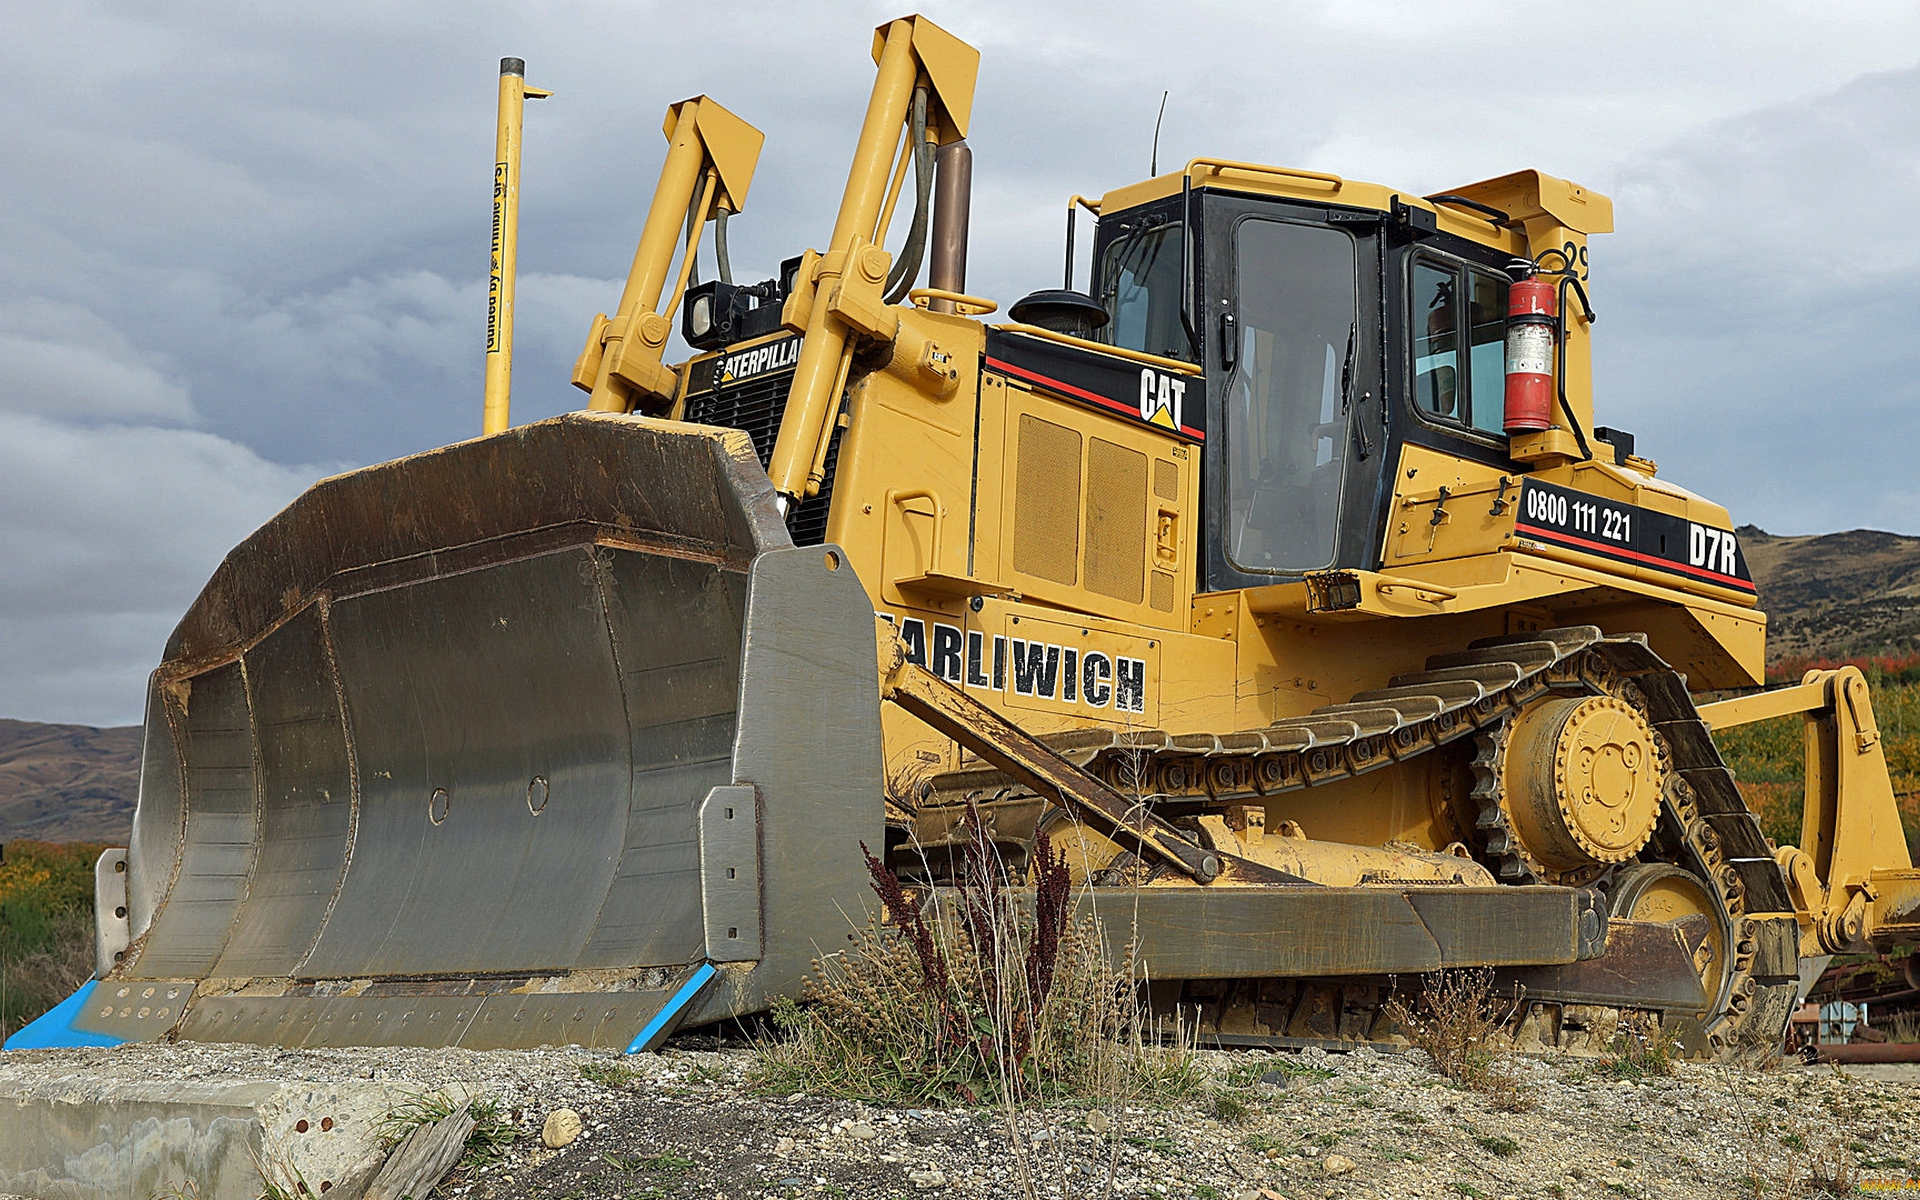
point(1293, 347)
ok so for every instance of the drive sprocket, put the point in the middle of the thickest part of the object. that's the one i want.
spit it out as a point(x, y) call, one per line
point(1569, 786)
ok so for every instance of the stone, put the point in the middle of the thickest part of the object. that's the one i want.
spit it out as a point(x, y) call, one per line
point(927, 1180)
point(860, 1131)
point(783, 1147)
point(561, 1128)
point(1337, 1164)
point(1098, 1122)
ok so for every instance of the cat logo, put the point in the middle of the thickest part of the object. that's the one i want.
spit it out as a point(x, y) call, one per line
point(1160, 398)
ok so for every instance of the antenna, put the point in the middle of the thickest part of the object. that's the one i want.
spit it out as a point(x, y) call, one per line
point(1154, 169)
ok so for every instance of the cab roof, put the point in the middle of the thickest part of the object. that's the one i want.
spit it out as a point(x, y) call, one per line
point(1525, 197)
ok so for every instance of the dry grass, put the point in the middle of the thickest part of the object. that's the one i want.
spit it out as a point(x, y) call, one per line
point(1639, 1052)
point(1904, 1027)
point(1460, 1024)
point(1793, 1161)
point(987, 996)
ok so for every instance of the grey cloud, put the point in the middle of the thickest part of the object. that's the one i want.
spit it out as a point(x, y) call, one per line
point(48, 348)
point(242, 241)
point(107, 533)
point(1759, 301)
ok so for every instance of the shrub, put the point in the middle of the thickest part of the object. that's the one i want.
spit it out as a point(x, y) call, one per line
point(982, 994)
point(46, 927)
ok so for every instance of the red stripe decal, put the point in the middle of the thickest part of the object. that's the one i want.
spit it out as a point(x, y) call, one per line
point(1622, 552)
point(1067, 389)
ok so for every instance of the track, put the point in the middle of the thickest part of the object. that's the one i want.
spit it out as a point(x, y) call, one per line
point(1704, 827)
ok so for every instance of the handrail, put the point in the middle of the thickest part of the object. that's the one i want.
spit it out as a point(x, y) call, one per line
point(897, 498)
point(1075, 201)
point(1222, 165)
point(965, 305)
point(1431, 593)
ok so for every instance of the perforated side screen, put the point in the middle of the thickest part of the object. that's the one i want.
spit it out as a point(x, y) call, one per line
point(1046, 502)
point(1116, 521)
point(1166, 479)
point(1163, 591)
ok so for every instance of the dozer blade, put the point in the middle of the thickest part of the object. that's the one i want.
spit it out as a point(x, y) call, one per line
point(548, 737)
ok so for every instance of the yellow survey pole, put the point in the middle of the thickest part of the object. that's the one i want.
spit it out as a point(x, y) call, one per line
point(506, 222)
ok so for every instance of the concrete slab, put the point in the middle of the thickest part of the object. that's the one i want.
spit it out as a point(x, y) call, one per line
point(131, 1122)
point(73, 1136)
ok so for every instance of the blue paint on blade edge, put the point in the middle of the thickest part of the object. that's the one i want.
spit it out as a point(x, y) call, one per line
point(54, 1028)
point(663, 1022)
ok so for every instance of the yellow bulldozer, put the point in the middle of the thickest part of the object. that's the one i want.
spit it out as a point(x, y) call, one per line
point(1281, 576)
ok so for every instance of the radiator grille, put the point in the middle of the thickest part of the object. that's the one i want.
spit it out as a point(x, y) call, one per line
point(1046, 502)
point(755, 406)
point(1116, 521)
point(1163, 591)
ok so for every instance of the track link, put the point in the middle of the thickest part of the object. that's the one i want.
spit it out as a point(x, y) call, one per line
point(1704, 825)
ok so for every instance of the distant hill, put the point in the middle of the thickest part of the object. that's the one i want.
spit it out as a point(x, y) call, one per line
point(68, 783)
point(1837, 595)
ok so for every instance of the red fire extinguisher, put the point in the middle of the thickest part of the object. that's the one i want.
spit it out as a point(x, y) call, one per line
point(1531, 326)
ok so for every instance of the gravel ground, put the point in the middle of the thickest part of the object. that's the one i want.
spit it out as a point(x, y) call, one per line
point(1361, 1125)
point(681, 1124)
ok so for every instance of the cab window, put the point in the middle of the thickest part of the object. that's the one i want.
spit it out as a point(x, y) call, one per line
point(1140, 286)
point(1459, 338)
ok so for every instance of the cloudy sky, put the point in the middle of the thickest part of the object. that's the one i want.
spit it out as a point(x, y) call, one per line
point(246, 245)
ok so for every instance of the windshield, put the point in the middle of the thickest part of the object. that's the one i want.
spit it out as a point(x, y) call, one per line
point(1290, 395)
point(1140, 289)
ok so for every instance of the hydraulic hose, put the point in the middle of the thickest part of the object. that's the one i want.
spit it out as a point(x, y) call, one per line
point(720, 245)
point(905, 271)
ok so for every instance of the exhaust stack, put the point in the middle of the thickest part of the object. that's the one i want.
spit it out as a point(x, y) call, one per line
point(952, 204)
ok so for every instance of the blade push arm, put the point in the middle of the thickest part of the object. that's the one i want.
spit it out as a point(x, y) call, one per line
point(839, 296)
point(711, 155)
point(1851, 877)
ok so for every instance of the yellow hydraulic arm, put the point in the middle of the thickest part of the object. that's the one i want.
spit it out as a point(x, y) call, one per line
point(711, 155)
point(839, 296)
point(1851, 877)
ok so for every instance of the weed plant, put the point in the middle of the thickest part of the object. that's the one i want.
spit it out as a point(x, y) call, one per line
point(1640, 1054)
point(984, 995)
point(1459, 1023)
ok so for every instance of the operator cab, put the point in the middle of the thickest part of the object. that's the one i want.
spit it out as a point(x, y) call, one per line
point(1329, 337)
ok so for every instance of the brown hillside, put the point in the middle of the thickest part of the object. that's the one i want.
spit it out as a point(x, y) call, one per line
point(1838, 594)
point(68, 783)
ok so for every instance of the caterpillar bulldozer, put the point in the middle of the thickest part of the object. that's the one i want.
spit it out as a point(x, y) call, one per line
point(1281, 577)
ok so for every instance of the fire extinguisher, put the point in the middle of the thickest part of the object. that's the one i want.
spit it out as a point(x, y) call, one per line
point(1532, 329)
